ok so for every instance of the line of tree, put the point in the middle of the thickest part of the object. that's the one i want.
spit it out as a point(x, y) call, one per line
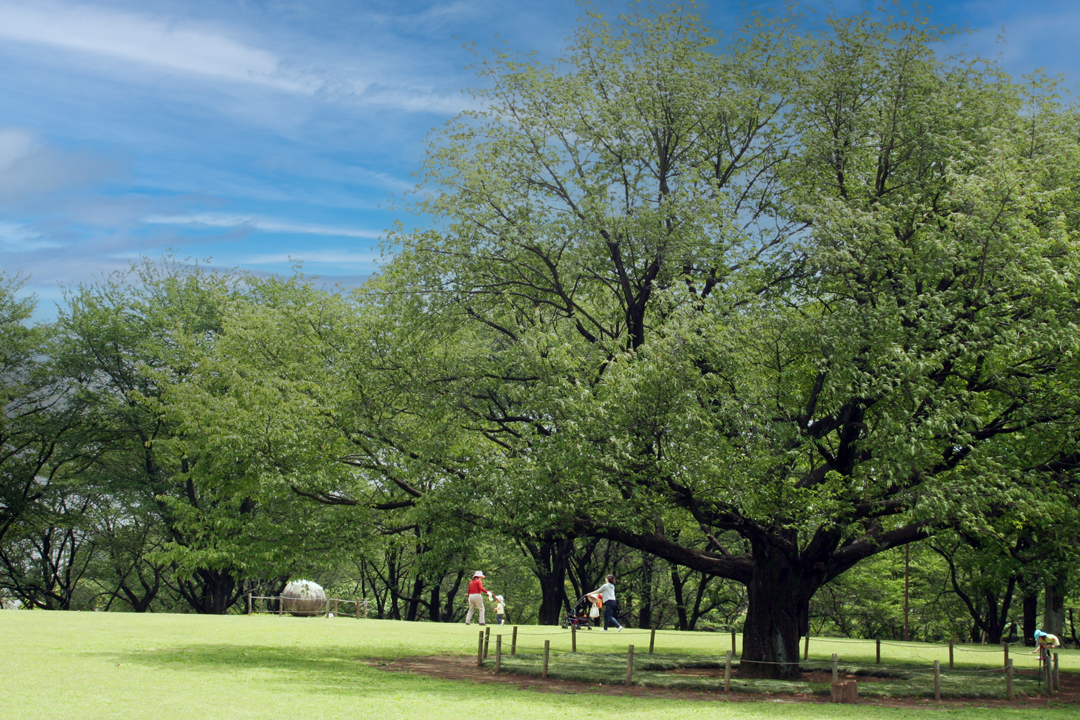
point(748, 316)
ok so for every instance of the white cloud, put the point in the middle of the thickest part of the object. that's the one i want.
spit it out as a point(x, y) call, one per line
point(320, 256)
point(31, 169)
point(15, 237)
point(258, 223)
point(144, 39)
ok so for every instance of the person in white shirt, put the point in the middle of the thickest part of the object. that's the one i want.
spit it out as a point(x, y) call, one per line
point(607, 594)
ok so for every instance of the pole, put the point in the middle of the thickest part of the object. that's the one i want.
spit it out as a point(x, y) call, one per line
point(336, 607)
point(480, 651)
point(573, 638)
point(1057, 674)
point(835, 670)
point(950, 654)
point(732, 641)
point(630, 666)
point(878, 644)
point(249, 604)
point(937, 680)
point(907, 586)
point(513, 642)
point(279, 604)
point(1009, 679)
point(727, 672)
point(498, 653)
point(487, 640)
point(547, 653)
point(1005, 649)
point(806, 647)
point(356, 604)
point(652, 640)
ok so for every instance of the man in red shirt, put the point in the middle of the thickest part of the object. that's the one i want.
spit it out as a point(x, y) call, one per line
point(476, 596)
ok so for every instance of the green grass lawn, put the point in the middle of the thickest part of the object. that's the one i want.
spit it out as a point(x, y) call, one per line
point(162, 667)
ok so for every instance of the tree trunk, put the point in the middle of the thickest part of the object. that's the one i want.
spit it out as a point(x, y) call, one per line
point(680, 601)
point(1054, 605)
point(779, 593)
point(1031, 611)
point(551, 558)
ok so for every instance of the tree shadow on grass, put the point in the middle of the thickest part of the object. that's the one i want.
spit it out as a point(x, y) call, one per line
point(314, 670)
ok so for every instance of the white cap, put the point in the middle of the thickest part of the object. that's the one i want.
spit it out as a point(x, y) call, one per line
point(478, 573)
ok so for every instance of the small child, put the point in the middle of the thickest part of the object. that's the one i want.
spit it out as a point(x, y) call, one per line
point(1045, 641)
point(500, 610)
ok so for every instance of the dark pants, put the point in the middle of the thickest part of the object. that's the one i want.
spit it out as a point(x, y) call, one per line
point(609, 614)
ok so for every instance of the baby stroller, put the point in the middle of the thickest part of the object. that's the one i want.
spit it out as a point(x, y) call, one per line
point(583, 614)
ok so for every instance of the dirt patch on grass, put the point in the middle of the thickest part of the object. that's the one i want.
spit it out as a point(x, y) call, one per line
point(461, 667)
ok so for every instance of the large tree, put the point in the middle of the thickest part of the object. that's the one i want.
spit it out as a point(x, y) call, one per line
point(809, 296)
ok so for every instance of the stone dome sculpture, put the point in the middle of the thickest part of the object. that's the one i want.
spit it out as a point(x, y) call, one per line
point(303, 597)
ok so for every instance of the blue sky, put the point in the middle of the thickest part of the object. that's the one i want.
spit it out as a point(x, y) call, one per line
point(250, 132)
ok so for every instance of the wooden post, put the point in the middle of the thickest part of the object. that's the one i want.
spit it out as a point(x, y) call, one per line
point(630, 666)
point(513, 642)
point(806, 647)
point(937, 680)
point(480, 651)
point(1057, 674)
point(573, 638)
point(878, 644)
point(652, 640)
point(1009, 679)
point(249, 604)
point(950, 654)
point(357, 604)
point(732, 641)
point(547, 653)
point(1005, 648)
point(326, 610)
point(335, 607)
point(487, 640)
point(498, 653)
point(835, 670)
point(727, 672)
point(279, 604)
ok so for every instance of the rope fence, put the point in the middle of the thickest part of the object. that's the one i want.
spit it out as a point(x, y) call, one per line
point(929, 676)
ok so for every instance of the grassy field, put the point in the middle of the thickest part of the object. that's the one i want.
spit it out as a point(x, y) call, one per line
point(164, 667)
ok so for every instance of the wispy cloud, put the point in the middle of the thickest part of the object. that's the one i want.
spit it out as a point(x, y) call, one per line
point(146, 40)
point(318, 256)
point(31, 169)
point(259, 223)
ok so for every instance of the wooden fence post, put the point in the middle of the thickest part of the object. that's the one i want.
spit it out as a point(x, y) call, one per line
point(835, 670)
point(727, 672)
point(547, 653)
point(652, 640)
point(1009, 679)
point(249, 604)
point(480, 650)
point(513, 642)
point(487, 640)
point(498, 653)
point(806, 647)
point(937, 680)
point(336, 607)
point(630, 666)
point(877, 643)
point(573, 638)
point(279, 604)
point(1057, 674)
point(357, 604)
point(950, 654)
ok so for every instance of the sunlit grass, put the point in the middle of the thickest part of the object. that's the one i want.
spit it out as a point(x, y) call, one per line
point(166, 667)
